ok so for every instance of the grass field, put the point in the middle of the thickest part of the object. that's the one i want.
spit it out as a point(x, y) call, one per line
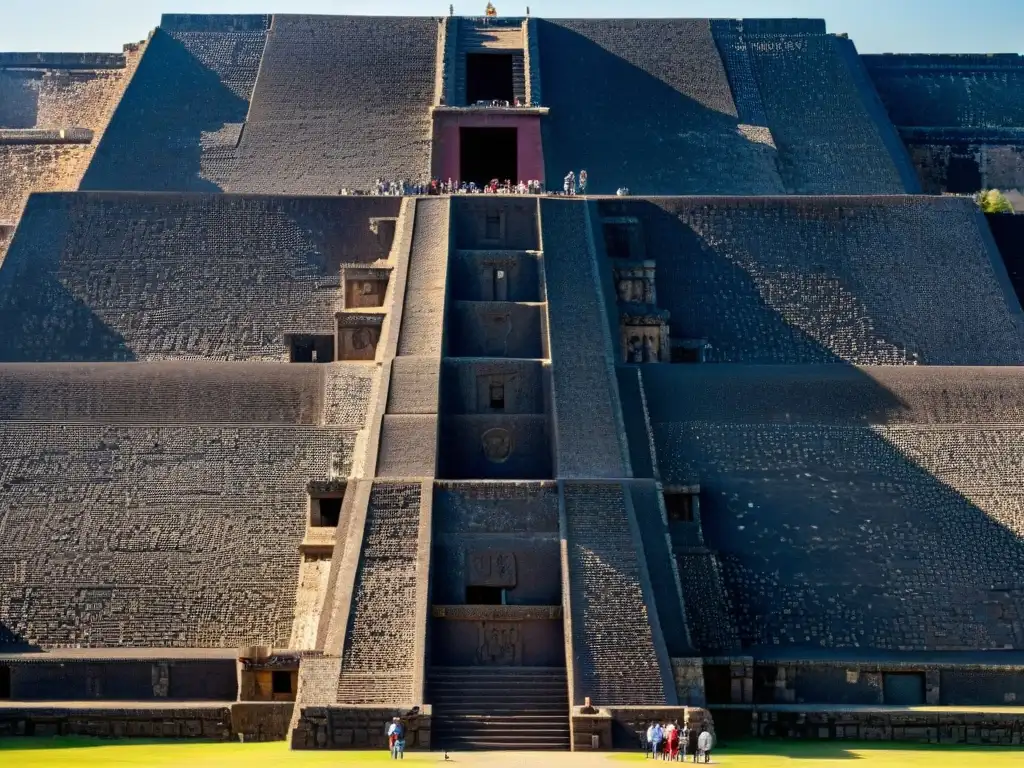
point(93, 753)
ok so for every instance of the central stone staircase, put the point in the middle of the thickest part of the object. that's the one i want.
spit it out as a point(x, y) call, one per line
point(499, 708)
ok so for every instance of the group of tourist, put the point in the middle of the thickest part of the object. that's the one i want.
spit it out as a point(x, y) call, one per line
point(572, 186)
point(670, 742)
point(383, 187)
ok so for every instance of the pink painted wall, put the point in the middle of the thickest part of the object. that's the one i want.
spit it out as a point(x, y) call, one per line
point(529, 150)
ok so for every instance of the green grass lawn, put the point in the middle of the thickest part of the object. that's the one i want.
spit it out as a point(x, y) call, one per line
point(88, 753)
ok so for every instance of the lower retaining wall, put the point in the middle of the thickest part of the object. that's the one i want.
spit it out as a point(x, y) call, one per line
point(931, 726)
point(229, 721)
point(212, 722)
point(358, 728)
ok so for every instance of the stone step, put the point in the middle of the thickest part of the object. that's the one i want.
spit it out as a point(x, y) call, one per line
point(462, 710)
point(492, 719)
point(485, 698)
point(502, 743)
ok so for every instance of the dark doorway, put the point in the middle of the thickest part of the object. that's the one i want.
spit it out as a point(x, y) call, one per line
point(311, 348)
point(718, 683)
point(904, 688)
point(488, 77)
point(963, 177)
point(281, 683)
point(5, 682)
point(326, 512)
point(488, 153)
point(483, 595)
point(679, 507)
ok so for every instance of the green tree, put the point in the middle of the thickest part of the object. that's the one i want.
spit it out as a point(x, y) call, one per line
point(994, 201)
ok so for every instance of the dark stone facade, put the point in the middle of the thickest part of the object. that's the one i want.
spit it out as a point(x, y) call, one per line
point(484, 497)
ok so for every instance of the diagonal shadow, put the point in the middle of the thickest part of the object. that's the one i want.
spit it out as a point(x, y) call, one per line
point(628, 127)
point(835, 495)
point(154, 140)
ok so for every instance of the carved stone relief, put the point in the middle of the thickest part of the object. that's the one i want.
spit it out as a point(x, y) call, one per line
point(498, 444)
point(491, 569)
point(500, 643)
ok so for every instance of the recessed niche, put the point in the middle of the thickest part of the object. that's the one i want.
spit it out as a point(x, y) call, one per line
point(358, 335)
point(679, 507)
point(363, 286)
point(281, 684)
point(325, 511)
point(310, 348)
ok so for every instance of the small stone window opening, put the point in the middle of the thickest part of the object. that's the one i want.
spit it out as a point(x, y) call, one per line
point(492, 226)
point(5, 682)
point(485, 595)
point(617, 240)
point(497, 390)
point(311, 348)
point(281, 683)
point(325, 512)
point(679, 507)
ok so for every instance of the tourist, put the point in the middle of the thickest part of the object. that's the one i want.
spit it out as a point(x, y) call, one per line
point(396, 739)
point(672, 741)
point(656, 736)
point(684, 741)
point(649, 740)
point(704, 744)
point(583, 182)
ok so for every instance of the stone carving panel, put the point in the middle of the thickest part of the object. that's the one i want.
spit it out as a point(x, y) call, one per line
point(500, 644)
point(491, 569)
point(358, 335)
point(498, 444)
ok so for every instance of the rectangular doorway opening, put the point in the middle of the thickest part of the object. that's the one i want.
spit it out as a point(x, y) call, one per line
point(5, 683)
point(311, 348)
point(325, 511)
point(489, 78)
point(281, 683)
point(904, 689)
point(679, 507)
point(483, 595)
point(488, 153)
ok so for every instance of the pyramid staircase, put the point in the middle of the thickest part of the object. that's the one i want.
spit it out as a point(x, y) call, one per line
point(518, 708)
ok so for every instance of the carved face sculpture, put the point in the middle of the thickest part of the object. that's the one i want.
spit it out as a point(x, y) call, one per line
point(361, 338)
point(497, 444)
point(367, 289)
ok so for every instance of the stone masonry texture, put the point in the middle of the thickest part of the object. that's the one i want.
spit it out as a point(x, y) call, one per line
point(173, 216)
point(866, 280)
point(119, 277)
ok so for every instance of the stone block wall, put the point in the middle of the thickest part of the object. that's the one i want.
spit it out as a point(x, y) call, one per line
point(981, 687)
point(891, 281)
point(84, 679)
point(168, 536)
point(933, 727)
point(341, 101)
point(827, 138)
point(800, 511)
point(179, 393)
point(180, 120)
point(122, 277)
point(589, 436)
point(55, 91)
point(626, 132)
point(378, 660)
point(208, 723)
point(495, 329)
point(950, 91)
point(517, 224)
point(358, 728)
point(614, 642)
